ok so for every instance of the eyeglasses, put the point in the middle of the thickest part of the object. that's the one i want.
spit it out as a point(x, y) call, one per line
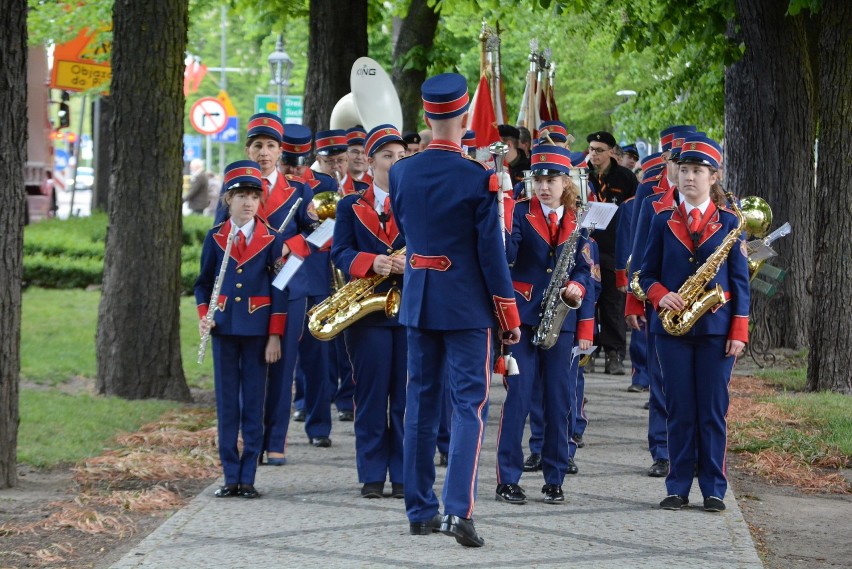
point(598, 149)
point(355, 151)
point(339, 161)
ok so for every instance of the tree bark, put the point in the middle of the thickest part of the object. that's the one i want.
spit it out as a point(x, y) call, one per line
point(138, 341)
point(769, 136)
point(338, 36)
point(13, 149)
point(830, 359)
point(417, 32)
point(102, 112)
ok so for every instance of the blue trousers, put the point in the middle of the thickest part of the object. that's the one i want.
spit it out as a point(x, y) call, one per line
point(696, 374)
point(581, 421)
point(639, 357)
point(314, 356)
point(341, 376)
point(462, 358)
point(657, 436)
point(379, 357)
point(279, 395)
point(239, 369)
point(536, 416)
point(299, 387)
point(444, 425)
point(553, 366)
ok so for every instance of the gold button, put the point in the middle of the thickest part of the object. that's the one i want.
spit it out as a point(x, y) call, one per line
point(239, 271)
point(550, 254)
point(253, 307)
point(237, 299)
point(413, 262)
point(390, 251)
point(549, 270)
point(691, 259)
point(443, 263)
point(239, 285)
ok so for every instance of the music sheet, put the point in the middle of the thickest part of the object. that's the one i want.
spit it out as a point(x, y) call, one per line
point(287, 271)
point(599, 215)
point(322, 234)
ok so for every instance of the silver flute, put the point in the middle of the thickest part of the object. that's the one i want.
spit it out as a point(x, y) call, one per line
point(214, 297)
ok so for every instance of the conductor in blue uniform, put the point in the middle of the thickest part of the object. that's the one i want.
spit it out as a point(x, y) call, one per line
point(457, 287)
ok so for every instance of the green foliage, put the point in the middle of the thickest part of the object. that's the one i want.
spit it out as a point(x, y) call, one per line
point(58, 330)
point(57, 428)
point(70, 253)
point(793, 379)
point(830, 413)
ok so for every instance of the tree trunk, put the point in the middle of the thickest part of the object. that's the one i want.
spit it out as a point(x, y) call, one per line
point(138, 341)
point(102, 129)
point(417, 32)
point(769, 136)
point(13, 149)
point(338, 36)
point(830, 360)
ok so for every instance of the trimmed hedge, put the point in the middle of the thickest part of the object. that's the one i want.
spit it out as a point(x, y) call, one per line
point(70, 253)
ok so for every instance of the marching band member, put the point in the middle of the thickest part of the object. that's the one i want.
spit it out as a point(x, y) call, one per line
point(356, 138)
point(658, 185)
point(446, 208)
point(540, 230)
point(247, 325)
point(365, 237)
point(697, 365)
point(468, 143)
point(333, 160)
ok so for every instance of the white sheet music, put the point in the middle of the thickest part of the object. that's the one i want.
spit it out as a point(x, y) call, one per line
point(322, 234)
point(578, 352)
point(599, 215)
point(287, 271)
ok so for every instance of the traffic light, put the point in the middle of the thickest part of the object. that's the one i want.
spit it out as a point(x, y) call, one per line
point(64, 111)
point(70, 138)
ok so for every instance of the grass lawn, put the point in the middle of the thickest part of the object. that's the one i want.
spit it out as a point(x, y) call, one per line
point(58, 337)
point(58, 428)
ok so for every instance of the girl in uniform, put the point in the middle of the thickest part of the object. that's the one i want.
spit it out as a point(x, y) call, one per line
point(247, 325)
point(540, 230)
point(696, 366)
point(365, 240)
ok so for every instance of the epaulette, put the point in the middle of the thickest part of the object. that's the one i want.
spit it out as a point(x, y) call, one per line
point(295, 178)
point(405, 157)
point(522, 199)
point(220, 224)
point(472, 159)
point(627, 200)
point(653, 178)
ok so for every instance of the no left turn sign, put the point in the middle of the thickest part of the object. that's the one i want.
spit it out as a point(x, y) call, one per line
point(208, 116)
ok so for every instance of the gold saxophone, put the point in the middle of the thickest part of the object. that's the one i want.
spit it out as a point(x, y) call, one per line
point(352, 302)
point(698, 300)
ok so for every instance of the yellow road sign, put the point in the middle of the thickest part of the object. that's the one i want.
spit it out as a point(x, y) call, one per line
point(226, 102)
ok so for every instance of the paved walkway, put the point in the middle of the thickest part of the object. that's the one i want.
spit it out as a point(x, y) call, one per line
point(311, 515)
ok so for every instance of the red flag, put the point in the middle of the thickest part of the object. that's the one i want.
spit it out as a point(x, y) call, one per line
point(200, 72)
point(482, 118)
point(192, 76)
point(554, 112)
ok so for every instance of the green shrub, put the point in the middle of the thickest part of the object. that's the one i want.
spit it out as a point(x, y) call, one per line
point(70, 253)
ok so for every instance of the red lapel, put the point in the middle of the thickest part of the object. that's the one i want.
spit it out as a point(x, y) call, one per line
point(536, 219)
point(365, 211)
point(259, 240)
point(279, 195)
point(680, 229)
point(567, 225)
point(712, 225)
point(367, 178)
point(663, 185)
point(310, 179)
point(665, 202)
point(221, 238)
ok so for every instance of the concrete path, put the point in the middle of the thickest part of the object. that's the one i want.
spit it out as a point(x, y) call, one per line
point(311, 514)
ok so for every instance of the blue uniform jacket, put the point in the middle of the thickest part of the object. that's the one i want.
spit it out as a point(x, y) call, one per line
point(248, 303)
point(358, 239)
point(586, 312)
point(533, 258)
point(670, 258)
point(623, 242)
point(457, 277)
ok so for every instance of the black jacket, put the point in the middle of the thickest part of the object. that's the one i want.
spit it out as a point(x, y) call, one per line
point(617, 185)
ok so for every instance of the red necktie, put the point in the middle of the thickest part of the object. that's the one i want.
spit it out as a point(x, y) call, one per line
point(265, 184)
point(240, 245)
point(694, 220)
point(554, 227)
point(386, 206)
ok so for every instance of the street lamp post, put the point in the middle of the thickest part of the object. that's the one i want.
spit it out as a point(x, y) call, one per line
point(280, 67)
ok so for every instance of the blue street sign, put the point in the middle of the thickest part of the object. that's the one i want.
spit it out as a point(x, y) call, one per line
point(230, 133)
point(60, 159)
point(191, 147)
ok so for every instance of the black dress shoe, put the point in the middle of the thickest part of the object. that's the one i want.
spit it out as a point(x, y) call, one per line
point(346, 416)
point(511, 493)
point(462, 529)
point(397, 490)
point(299, 415)
point(427, 527)
point(647, 405)
point(321, 442)
point(444, 459)
point(373, 490)
point(635, 388)
point(227, 491)
point(578, 439)
point(713, 504)
point(248, 491)
point(532, 463)
point(572, 467)
point(674, 502)
point(552, 494)
point(659, 469)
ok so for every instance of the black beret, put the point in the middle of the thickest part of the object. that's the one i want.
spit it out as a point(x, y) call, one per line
point(411, 138)
point(509, 131)
point(602, 136)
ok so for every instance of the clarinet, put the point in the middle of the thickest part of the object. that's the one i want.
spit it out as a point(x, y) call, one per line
point(214, 297)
